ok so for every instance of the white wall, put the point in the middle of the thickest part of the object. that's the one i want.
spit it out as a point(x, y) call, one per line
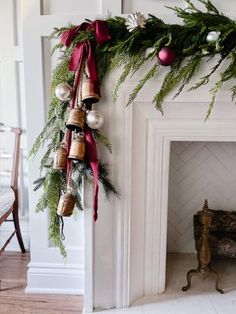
point(12, 104)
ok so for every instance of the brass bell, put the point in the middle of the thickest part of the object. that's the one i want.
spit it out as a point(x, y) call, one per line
point(66, 205)
point(90, 91)
point(76, 119)
point(77, 148)
point(59, 160)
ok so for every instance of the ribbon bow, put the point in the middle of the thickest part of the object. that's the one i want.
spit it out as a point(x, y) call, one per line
point(81, 52)
point(99, 26)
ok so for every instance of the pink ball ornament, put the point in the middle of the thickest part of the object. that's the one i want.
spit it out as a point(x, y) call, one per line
point(166, 56)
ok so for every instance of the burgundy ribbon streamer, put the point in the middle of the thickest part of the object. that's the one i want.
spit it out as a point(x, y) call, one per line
point(81, 51)
point(91, 152)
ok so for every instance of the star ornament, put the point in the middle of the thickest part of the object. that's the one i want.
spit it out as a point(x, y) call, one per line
point(135, 20)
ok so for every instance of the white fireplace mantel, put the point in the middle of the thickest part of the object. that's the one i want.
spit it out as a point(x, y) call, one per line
point(135, 250)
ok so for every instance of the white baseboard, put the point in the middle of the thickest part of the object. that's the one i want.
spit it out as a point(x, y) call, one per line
point(88, 310)
point(54, 291)
point(55, 279)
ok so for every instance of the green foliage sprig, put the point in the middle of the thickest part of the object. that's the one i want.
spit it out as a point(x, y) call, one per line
point(53, 183)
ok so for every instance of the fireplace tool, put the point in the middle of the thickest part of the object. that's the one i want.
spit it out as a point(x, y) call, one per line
point(204, 253)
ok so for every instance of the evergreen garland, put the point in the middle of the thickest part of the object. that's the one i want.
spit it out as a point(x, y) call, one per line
point(129, 50)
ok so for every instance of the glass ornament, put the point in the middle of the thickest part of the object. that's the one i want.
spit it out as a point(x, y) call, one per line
point(95, 119)
point(63, 91)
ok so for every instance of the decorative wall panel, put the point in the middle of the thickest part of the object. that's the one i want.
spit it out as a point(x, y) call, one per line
point(62, 7)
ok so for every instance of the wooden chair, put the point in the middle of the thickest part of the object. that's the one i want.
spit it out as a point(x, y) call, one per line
point(9, 195)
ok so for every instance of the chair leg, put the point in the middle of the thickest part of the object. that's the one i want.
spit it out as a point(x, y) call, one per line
point(17, 228)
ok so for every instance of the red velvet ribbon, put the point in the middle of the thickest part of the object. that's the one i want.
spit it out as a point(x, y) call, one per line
point(99, 26)
point(82, 51)
point(102, 35)
point(91, 152)
point(72, 105)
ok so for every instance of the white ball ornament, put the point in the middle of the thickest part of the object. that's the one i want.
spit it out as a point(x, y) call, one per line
point(63, 91)
point(212, 37)
point(95, 119)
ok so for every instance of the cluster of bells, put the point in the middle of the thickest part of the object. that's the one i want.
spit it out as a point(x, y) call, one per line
point(78, 116)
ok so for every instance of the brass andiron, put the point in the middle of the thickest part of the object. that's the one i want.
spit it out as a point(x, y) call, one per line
point(204, 253)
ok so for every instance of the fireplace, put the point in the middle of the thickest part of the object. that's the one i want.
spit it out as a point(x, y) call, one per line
point(135, 225)
point(198, 171)
point(146, 187)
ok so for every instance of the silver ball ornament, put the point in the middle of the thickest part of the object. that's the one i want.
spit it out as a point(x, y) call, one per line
point(95, 119)
point(63, 91)
point(212, 37)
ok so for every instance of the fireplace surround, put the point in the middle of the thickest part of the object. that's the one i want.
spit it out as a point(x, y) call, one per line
point(135, 253)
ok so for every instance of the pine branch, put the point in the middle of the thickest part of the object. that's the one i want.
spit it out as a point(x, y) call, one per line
point(58, 31)
point(53, 193)
point(151, 73)
point(42, 203)
point(104, 63)
point(130, 68)
point(38, 183)
point(226, 75)
point(52, 184)
point(75, 183)
point(103, 176)
point(41, 137)
point(191, 6)
point(233, 90)
point(121, 80)
point(57, 46)
point(214, 92)
point(44, 160)
point(171, 80)
point(188, 71)
point(118, 60)
point(61, 74)
point(99, 137)
point(209, 6)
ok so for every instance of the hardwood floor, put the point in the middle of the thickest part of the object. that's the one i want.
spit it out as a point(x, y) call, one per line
point(13, 300)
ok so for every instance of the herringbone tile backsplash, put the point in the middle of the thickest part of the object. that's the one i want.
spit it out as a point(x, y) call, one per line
point(198, 170)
